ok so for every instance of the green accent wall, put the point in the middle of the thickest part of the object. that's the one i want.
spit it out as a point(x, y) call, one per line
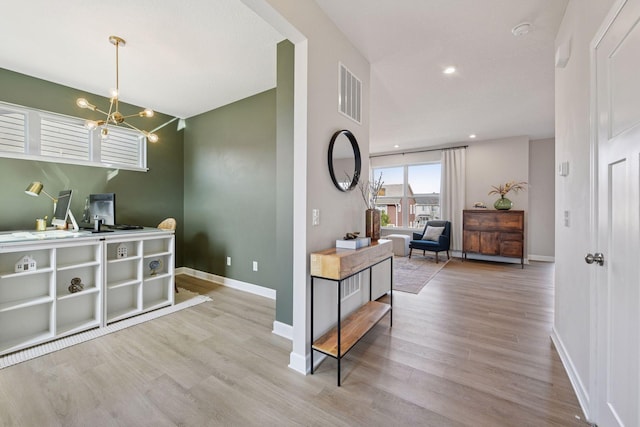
point(284, 182)
point(238, 189)
point(229, 190)
point(143, 198)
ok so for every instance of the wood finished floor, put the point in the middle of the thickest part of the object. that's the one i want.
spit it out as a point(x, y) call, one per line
point(472, 349)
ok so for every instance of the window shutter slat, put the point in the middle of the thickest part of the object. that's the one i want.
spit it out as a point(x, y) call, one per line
point(12, 131)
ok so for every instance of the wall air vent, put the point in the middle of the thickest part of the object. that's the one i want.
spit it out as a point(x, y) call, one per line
point(349, 94)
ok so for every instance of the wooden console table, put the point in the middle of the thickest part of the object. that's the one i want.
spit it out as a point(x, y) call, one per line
point(338, 265)
point(493, 232)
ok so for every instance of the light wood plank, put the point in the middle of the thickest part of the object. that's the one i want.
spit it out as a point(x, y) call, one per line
point(334, 263)
point(353, 327)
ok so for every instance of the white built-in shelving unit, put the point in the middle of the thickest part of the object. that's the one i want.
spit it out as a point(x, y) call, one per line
point(36, 305)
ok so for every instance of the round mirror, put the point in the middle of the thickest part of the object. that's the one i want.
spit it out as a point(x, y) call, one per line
point(344, 160)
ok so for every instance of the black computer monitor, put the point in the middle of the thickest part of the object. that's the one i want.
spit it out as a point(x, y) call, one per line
point(62, 209)
point(103, 206)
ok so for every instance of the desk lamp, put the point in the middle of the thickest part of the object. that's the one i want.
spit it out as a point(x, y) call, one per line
point(36, 187)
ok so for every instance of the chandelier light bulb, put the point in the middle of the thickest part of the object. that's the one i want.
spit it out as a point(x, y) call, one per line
point(152, 137)
point(83, 103)
point(90, 124)
point(113, 93)
point(147, 112)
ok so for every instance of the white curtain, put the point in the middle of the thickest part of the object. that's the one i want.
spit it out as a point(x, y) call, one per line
point(452, 190)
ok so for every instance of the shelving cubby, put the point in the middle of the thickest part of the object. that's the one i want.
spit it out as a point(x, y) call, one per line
point(26, 298)
point(26, 326)
point(122, 302)
point(78, 313)
point(82, 310)
point(158, 282)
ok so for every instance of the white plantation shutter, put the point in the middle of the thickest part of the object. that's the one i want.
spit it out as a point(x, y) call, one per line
point(31, 134)
point(121, 147)
point(60, 138)
point(13, 127)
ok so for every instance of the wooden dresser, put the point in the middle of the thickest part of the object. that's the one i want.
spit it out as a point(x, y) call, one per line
point(493, 232)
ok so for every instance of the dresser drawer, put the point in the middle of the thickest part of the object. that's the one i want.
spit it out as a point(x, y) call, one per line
point(501, 221)
point(511, 248)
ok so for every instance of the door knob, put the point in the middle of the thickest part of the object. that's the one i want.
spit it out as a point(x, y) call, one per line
point(598, 258)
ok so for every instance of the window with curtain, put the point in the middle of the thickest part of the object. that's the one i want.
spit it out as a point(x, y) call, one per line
point(410, 195)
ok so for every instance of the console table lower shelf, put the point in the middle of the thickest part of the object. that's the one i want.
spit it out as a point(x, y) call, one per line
point(337, 266)
point(352, 329)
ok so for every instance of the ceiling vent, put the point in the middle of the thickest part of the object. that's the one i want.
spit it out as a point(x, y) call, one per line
point(349, 94)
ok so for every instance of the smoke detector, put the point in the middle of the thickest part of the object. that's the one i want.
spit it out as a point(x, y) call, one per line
point(521, 29)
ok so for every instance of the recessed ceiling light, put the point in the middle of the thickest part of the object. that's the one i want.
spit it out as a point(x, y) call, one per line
point(521, 29)
point(449, 70)
point(472, 136)
point(396, 146)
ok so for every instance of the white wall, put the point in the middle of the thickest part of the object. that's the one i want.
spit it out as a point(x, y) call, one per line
point(572, 321)
point(319, 47)
point(496, 162)
point(541, 199)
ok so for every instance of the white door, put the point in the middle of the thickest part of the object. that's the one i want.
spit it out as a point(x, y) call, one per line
point(617, 61)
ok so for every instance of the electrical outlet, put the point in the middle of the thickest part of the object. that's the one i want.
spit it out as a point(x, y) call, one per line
point(315, 217)
point(255, 265)
point(566, 218)
point(229, 260)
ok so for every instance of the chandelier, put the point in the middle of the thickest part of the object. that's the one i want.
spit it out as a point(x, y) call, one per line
point(113, 116)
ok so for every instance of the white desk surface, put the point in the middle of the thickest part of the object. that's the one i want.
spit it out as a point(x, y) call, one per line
point(54, 234)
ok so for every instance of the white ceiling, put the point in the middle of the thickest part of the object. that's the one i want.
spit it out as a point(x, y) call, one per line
point(182, 57)
point(185, 57)
point(504, 85)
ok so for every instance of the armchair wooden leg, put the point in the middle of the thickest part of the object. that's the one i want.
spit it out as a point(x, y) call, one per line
point(436, 257)
point(410, 250)
point(448, 257)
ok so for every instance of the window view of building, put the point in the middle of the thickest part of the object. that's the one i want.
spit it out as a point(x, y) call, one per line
point(410, 195)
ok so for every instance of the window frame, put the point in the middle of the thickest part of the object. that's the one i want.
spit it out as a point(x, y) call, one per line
point(33, 141)
point(406, 209)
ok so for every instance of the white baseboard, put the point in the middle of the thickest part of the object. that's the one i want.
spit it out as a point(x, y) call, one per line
point(283, 330)
point(581, 392)
point(298, 362)
point(231, 283)
point(543, 258)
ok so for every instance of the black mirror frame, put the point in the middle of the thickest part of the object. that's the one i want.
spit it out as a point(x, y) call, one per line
point(356, 153)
